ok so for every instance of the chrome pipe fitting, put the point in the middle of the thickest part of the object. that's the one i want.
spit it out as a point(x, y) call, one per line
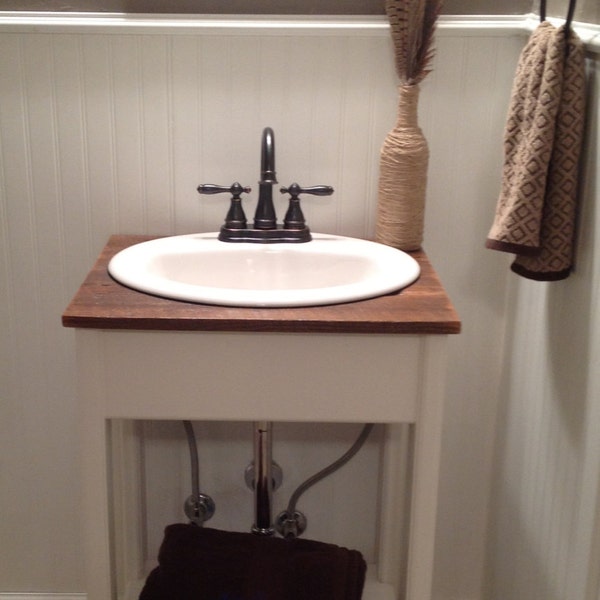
point(199, 509)
point(290, 525)
point(263, 478)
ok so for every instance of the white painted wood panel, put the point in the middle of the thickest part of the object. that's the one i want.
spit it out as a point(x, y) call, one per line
point(544, 526)
point(245, 394)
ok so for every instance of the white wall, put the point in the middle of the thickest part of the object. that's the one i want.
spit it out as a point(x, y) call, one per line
point(544, 523)
point(111, 131)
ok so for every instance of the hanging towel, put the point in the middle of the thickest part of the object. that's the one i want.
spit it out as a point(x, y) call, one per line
point(557, 232)
point(536, 210)
point(199, 563)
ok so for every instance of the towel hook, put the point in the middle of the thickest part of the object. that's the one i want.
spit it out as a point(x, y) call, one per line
point(570, 13)
point(542, 11)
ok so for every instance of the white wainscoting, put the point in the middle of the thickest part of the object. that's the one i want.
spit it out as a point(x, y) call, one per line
point(108, 124)
point(108, 131)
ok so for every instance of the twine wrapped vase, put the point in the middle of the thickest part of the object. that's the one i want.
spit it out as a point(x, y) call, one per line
point(403, 177)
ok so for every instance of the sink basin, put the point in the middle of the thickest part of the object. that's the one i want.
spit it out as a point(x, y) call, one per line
point(328, 270)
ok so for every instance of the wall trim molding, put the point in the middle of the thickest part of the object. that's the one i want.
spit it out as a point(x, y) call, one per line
point(73, 22)
point(106, 23)
point(40, 596)
point(88, 22)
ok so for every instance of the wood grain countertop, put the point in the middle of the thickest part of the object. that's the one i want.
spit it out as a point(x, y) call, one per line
point(102, 303)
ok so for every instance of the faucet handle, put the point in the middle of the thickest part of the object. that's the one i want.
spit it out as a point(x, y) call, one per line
point(294, 219)
point(235, 189)
point(316, 190)
point(235, 219)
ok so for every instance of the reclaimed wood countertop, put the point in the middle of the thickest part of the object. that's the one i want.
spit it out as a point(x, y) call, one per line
point(102, 303)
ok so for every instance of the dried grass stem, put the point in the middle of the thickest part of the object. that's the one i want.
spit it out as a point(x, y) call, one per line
point(413, 26)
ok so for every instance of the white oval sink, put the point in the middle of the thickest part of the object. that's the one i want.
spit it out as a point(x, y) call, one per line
point(328, 270)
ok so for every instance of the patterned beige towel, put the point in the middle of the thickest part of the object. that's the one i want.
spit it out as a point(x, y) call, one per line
point(535, 214)
point(557, 233)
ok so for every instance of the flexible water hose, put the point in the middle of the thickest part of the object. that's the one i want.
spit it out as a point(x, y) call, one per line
point(198, 507)
point(195, 469)
point(334, 466)
point(290, 518)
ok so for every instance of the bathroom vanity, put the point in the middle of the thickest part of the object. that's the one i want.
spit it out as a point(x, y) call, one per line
point(380, 360)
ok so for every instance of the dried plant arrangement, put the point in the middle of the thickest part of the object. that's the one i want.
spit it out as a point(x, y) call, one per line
point(405, 154)
point(412, 24)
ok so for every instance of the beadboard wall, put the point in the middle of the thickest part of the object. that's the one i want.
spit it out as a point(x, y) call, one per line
point(107, 125)
point(544, 525)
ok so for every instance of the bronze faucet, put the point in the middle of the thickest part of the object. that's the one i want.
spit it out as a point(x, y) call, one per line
point(265, 228)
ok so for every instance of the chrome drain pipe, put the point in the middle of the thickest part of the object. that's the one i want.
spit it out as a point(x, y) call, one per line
point(263, 478)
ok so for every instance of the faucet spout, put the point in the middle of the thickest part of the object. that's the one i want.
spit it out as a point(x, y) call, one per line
point(264, 217)
point(267, 156)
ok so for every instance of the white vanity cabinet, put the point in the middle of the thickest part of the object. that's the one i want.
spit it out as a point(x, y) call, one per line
point(381, 360)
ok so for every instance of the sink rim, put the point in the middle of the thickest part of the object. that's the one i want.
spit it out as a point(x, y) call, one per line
point(390, 271)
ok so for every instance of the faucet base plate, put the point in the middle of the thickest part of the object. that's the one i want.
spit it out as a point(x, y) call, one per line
point(266, 236)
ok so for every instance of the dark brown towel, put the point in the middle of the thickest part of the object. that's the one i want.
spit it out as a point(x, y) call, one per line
point(536, 210)
point(197, 563)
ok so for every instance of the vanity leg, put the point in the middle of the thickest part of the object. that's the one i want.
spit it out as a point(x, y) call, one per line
point(395, 506)
point(426, 464)
point(410, 473)
point(94, 468)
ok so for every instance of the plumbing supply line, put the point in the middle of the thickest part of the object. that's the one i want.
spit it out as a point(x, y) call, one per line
point(198, 507)
point(334, 466)
point(195, 469)
point(263, 478)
